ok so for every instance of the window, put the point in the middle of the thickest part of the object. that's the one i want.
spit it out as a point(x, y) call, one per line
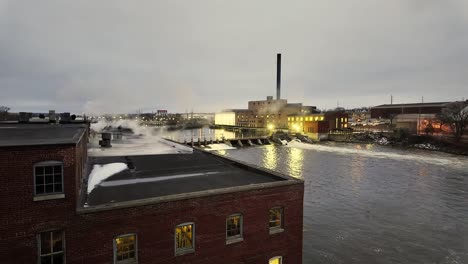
point(234, 227)
point(51, 247)
point(184, 238)
point(276, 260)
point(125, 249)
point(48, 177)
point(276, 219)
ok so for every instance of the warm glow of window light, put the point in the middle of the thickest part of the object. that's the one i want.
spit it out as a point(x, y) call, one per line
point(275, 260)
point(271, 126)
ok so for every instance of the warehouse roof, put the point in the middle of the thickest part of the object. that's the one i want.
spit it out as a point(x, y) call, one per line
point(17, 134)
point(152, 176)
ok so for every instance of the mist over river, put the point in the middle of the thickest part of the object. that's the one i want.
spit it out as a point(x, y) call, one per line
point(372, 204)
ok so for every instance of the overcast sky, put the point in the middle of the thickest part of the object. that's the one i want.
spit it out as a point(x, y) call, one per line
point(121, 56)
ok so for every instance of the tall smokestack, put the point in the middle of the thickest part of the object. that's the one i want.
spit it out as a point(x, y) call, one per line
point(278, 76)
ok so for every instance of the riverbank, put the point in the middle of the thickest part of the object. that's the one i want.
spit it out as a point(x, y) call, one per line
point(408, 141)
point(388, 139)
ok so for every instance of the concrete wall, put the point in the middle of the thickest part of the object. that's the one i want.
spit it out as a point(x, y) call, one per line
point(225, 118)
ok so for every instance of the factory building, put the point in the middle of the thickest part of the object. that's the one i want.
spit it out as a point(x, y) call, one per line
point(62, 203)
point(270, 113)
point(414, 117)
point(317, 126)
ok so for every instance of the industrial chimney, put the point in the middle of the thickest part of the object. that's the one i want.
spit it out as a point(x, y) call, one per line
point(278, 76)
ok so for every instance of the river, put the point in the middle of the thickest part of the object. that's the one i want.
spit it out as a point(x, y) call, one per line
point(371, 204)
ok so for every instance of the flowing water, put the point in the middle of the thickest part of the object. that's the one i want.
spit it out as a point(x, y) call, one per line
point(371, 204)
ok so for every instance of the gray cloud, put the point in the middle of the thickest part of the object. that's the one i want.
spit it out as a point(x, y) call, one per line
point(97, 56)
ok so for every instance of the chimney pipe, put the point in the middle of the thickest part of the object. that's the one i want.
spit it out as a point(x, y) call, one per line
point(278, 76)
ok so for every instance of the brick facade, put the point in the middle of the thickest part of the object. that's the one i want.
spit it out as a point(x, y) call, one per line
point(89, 236)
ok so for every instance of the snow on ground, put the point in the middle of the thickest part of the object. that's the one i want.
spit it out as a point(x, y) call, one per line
point(102, 172)
point(219, 146)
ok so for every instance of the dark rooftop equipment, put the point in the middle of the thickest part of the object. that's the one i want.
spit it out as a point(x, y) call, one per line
point(106, 140)
point(278, 76)
point(24, 117)
point(65, 117)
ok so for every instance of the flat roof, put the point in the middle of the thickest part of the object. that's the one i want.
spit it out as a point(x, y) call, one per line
point(17, 134)
point(434, 104)
point(152, 176)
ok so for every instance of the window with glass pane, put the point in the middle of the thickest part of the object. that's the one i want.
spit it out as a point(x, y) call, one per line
point(276, 260)
point(184, 237)
point(48, 179)
point(51, 247)
point(276, 217)
point(125, 249)
point(234, 226)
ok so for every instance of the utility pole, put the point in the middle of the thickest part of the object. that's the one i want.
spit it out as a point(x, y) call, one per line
point(422, 99)
point(391, 99)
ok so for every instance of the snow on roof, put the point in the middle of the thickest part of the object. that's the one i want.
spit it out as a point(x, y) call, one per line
point(102, 172)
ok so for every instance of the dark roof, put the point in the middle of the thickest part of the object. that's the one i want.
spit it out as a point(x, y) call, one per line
point(171, 174)
point(435, 104)
point(16, 134)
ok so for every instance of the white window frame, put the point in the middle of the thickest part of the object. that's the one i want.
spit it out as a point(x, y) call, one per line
point(235, 238)
point(53, 195)
point(275, 258)
point(39, 245)
point(127, 261)
point(184, 251)
point(280, 228)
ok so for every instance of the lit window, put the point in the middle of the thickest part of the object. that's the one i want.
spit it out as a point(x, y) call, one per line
point(184, 238)
point(276, 260)
point(51, 247)
point(48, 177)
point(234, 227)
point(316, 118)
point(276, 218)
point(321, 118)
point(125, 248)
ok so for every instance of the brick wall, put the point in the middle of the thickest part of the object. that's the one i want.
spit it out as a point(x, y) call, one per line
point(89, 237)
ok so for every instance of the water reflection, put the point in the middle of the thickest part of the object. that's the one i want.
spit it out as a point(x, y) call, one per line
point(357, 171)
point(295, 162)
point(385, 205)
point(270, 159)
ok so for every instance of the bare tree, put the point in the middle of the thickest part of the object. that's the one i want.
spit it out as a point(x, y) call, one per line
point(4, 111)
point(456, 116)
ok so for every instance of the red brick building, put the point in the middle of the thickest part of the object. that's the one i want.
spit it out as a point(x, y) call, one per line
point(317, 126)
point(174, 208)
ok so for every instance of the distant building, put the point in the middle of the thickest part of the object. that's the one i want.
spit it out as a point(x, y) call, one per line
point(413, 117)
point(317, 126)
point(61, 206)
point(269, 113)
